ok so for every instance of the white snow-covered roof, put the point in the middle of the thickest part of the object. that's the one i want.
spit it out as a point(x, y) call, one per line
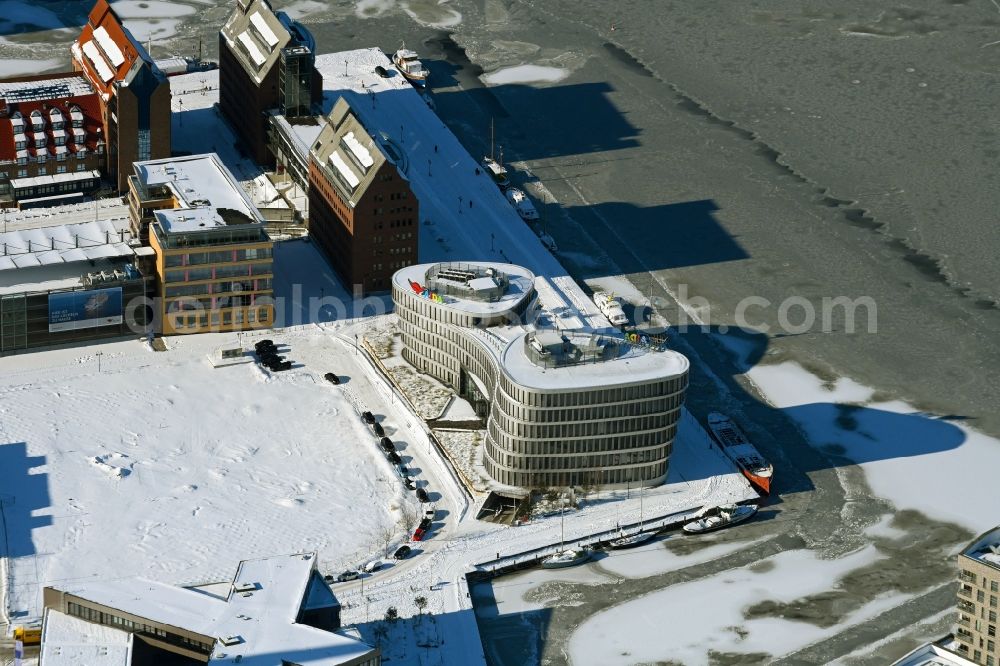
point(189, 219)
point(519, 287)
point(53, 179)
point(70, 641)
point(932, 654)
point(109, 47)
point(986, 548)
point(252, 49)
point(264, 30)
point(54, 88)
point(359, 151)
point(198, 181)
point(345, 171)
point(260, 613)
point(95, 57)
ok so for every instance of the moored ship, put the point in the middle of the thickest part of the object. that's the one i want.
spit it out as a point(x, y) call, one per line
point(408, 64)
point(735, 444)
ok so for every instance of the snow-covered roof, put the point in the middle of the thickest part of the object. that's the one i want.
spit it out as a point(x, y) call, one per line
point(340, 165)
point(363, 154)
point(58, 86)
point(63, 244)
point(54, 179)
point(108, 46)
point(576, 354)
point(198, 181)
point(986, 548)
point(518, 288)
point(933, 654)
point(259, 614)
point(252, 49)
point(354, 157)
point(256, 35)
point(188, 219)
point(258, 22)
point(70, 641)
point(97, 60)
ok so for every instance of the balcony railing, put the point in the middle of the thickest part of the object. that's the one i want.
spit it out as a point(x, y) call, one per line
point(967, 577)
point(966, 607)
point(965, 591)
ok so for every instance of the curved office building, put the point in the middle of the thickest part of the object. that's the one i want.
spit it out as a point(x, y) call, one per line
point(565, 402)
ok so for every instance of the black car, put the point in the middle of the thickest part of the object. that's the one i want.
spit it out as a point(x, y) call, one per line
point(382, 71)
point(263, 344)
point(402, 552)
point(426, 523)
point(267, 359)
point(379, 431)
point(422, 495)
point(386, 444)
point(394, 457)
point(368, 417)
point(332, 378)
point(280, 366)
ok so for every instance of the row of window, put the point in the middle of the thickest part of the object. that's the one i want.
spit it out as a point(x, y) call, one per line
point(395, 237)
point(215, 288)
point(219, 257)
point(221, 318)
point(605, 477)
point(597, 461)
point(41, 158)
point(216, 272)
point(119, 622)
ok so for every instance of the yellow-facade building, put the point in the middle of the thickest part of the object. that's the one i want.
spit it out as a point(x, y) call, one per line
point(213, 257)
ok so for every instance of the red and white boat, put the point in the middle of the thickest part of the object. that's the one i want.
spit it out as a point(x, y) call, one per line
point(735, 444)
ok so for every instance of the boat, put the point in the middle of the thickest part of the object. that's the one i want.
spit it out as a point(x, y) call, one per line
point(409, 65)
point(610, 307)
point(565, 557)
point(497, 171)
point(569, 557)
point(630, 541)
point(735, 444)
point(725, 516)
point(522, 204)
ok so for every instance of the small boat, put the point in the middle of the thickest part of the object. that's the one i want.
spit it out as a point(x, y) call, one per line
point(727, 515)
point(497, 171)
point(409, 65)
point(548, 241)
point(631, 541)
point(566, 558)
point(735, 444)
point(522, 204)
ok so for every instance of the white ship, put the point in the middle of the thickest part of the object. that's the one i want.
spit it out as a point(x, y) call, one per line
point(610, 307)
point(727, 515)
point(522, 204)
point(409, 65)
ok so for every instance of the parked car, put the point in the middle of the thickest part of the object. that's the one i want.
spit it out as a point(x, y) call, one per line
point(350, 574)
point(280, 366)
point(430, 514)
point(426, 523)
point(373, 566)
point(402, 552)
point(393, 457)
point(382, 71)
point(422, 495)
point(379, 431)
point(332, 378)
point(261, 344)
point(268, 359)
point(418, 534)
point(368, 417)
point(409, 482)
point(387, 444)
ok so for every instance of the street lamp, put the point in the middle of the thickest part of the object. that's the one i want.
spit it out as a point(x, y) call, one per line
point(99, 355)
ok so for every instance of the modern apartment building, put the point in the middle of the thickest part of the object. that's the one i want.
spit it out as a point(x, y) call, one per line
point(978, 599)
point(564, 404)
point(362, 212)
point(132, 92)
point(213, 257)
point(266, 64)
point(276, 611)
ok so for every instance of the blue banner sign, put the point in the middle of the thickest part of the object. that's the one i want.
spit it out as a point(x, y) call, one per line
point(72, 310)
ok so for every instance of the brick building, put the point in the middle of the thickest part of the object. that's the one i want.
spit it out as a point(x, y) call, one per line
point(362, 212)
point(266, 63)
point(51, 136)
point(133, 94)
point(979, 599)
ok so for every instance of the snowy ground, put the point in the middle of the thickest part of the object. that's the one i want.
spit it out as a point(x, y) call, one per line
point(164, 467)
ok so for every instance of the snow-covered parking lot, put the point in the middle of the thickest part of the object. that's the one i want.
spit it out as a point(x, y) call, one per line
point(162, 466)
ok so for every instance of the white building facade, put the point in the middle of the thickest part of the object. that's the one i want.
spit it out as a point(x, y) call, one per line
point(564, 405)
